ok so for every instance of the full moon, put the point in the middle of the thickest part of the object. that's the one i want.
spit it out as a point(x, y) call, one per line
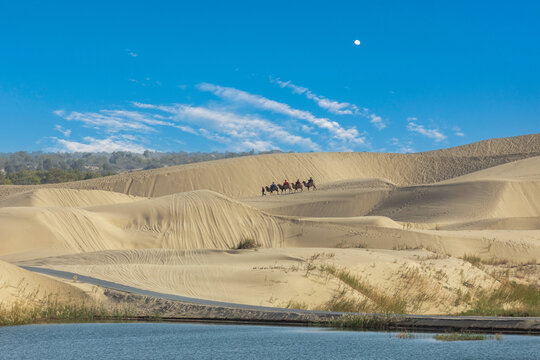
point(356, 42)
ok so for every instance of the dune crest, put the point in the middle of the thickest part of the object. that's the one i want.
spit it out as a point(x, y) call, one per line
point(51, 197)
point(243, 177)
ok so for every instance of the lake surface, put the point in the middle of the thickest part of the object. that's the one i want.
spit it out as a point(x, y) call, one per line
point(195, 341)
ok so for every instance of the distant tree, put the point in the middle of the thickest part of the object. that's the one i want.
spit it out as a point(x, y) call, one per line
point(4, 180)
point(47, 164)
point(24, 177)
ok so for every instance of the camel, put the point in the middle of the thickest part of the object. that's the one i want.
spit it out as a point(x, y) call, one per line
point(285, 187)
point(297, 186)
point(270, 190)
point(309, 184)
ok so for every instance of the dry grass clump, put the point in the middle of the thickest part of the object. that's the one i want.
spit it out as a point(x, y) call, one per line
point(493, 261)
point(472, 259)
point(381, 302)
point(300, 305)
point(52, 310)
point(346, 244)
point(509, 299)
point(462, 337)
point(362, 322)
point(401, 247)
point(247, 243)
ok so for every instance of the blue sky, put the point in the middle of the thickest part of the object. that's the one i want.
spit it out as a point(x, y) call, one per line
point(209, 75)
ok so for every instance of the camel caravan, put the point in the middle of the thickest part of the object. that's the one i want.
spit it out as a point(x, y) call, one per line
point(280, 188)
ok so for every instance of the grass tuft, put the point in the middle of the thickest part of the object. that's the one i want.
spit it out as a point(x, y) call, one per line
point(462, 337)
point(362, 322)
point(383, 302)
point(510, 299)
point(51, 310)
point(247, 243)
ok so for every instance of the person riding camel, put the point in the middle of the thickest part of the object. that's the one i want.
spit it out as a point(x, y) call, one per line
point(310, 180)
point(273, 186)
point(285, 183)
point(297, 182)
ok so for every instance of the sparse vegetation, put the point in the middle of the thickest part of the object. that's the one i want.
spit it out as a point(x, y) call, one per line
point(462, 337)
point(510, 299)
point(362, 322)
point(407, 226)
point(293, 304)
point(473, 260)
point(382, 302)
point(247, 243)
point(51, 310)
point(493, 261)
point(352, 245)
point(405, 247)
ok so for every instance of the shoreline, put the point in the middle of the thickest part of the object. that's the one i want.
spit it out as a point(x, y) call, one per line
point(157, 307)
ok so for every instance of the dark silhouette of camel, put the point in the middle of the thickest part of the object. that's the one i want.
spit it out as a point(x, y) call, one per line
point(310, 184)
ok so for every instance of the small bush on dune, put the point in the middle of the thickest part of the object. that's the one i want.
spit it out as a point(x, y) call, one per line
point(247, 243)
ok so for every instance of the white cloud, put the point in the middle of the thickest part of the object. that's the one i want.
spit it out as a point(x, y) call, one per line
point(114, 121)
point(247, 129)
point(434, 134)
point(257, 145)
point(238, 122)
point(309, 130)
point(403, 148)
point(131, 53)
point(108, 122)
point(65, 132)
point(457, 131)
point(90, 144)
point(260, 102)
point(377, 121)
point(333, 106)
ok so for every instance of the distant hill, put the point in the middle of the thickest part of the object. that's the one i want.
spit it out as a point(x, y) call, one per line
point(244, 176)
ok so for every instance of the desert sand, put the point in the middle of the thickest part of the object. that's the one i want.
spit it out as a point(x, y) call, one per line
point(401, 224)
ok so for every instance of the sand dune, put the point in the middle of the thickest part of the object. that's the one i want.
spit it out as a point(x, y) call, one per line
point(462, 201)
point(29, 232)
point(193, 220)
point(280, 277)
point(64, 198)
point(200, 219)
point(380, 216)
point(526, 169)
point(18, 285)
point(243, 177)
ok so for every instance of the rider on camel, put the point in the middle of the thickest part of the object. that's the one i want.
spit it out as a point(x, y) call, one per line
point(285, 183)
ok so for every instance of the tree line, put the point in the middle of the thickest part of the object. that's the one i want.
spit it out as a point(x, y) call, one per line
point(29, 168)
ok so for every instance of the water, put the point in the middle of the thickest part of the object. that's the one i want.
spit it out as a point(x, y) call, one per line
point(194, 341)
